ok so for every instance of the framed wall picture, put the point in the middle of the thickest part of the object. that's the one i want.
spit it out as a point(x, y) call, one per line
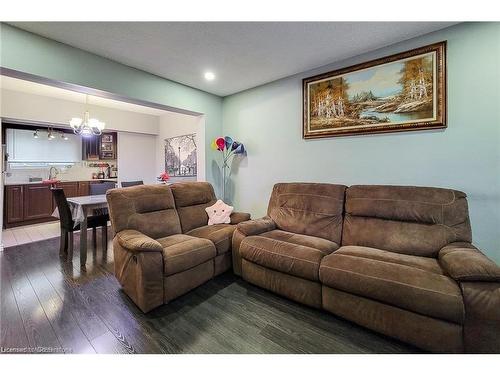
point(180, 156)
point(402, 92)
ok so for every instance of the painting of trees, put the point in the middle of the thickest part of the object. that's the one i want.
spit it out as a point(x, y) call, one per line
point(181, 156)
point(330, 99)
point(416, 79)
point(401, 91)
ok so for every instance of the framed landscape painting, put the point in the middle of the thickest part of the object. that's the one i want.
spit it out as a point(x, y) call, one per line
point(401, 92)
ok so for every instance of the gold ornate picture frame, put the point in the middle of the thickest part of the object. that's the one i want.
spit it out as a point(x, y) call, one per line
point(401, 92)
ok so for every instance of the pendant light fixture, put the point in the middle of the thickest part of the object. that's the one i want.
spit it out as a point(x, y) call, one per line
point(51, 133)
point(87, 126)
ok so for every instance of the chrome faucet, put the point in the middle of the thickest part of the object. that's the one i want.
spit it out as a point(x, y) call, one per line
point(55, 170)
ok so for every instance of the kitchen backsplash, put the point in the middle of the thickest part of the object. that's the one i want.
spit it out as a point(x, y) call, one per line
point(75, 172)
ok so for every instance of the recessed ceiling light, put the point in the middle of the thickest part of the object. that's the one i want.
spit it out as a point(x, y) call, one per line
point(209, 76)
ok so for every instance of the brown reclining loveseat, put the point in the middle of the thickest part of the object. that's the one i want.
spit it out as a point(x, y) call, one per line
point(396, 259)
point(163, 246)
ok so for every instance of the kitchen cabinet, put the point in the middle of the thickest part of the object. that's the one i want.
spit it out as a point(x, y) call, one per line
point(90, 147)
point(100, 147)
point(108, 146)
point(22, 147)
point(14, 204)
point(83, 188)
point(33, 203)
point(37, 201)
point(70, 188)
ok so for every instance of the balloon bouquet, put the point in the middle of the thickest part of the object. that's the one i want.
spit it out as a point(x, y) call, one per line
point(229, 149)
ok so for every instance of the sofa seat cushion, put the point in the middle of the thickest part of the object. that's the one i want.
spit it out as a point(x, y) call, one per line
point(325, 246)
point(293, 259)
point(423, 263)
point(182, 252)
point(220, 234)
point(396, 279)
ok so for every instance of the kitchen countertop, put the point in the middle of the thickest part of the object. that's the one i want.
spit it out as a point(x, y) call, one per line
point(7, 183)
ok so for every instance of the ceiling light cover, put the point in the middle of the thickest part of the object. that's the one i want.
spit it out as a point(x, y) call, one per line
point(209, 76)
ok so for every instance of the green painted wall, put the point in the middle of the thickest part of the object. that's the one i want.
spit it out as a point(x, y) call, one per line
point(33, 54)
point(465, 156)
point(267, 119)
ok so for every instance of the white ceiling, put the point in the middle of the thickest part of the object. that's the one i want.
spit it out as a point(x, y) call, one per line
point(14, 84)
point(241, 54)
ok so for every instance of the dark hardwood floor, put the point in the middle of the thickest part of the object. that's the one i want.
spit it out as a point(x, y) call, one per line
point(49, 305)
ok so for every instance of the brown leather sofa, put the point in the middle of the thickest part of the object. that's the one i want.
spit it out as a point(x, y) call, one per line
point(396, 259)
point(163, 246)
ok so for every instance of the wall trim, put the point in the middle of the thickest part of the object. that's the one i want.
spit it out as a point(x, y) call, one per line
point(91, 91)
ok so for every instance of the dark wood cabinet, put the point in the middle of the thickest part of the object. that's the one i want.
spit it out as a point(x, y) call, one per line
point(14, 211)
point(83, 188)
point(91, 147)
point(108, 146)
point(37, 201)
point(33, 203)
point(70, 188)
point(100, 147)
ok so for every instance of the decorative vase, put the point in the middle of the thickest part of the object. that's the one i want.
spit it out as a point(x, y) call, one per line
point(228, 149)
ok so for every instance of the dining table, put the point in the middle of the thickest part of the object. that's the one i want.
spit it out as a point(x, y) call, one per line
point(82, 207)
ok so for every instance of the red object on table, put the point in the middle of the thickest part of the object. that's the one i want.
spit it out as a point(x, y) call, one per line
point(52, 182)
point(164, 177)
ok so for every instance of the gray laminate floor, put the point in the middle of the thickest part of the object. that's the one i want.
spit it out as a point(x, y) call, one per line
point(49, 303)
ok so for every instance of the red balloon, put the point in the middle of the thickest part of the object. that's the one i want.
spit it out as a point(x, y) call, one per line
point(220, 143)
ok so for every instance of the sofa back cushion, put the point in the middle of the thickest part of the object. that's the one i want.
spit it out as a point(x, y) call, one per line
point(308, 208)
point(191, 199)
point(405, 219)
point(150, 209)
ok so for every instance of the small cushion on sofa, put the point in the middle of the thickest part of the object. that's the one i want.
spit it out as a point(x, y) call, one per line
point(220, 234)
point(321, 244)
point(182, 252)
point(289, 258)
point(396, 282)
point(219, 213)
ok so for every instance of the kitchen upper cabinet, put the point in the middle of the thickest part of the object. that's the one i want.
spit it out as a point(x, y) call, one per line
point(37, 201)
point(108, 146)
point(99, 147)
point(14, 204)
point(23, 147)
point(91, 147)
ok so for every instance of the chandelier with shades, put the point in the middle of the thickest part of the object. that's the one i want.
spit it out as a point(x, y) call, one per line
point(87, 126)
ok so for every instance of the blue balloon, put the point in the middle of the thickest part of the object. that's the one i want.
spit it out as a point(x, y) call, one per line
point(235, 145)
point(240, 149)
point(229, 141)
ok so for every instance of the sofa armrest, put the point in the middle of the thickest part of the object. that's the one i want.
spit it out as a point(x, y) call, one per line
point(464, 262)
point(239, 217)
point(244, 229)
point(482, 319)
point(136, 241)
point(257, 226)
point(140, 273)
